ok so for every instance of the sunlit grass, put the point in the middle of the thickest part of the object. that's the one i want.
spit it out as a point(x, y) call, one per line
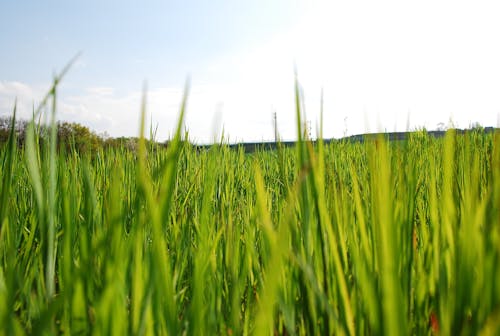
point(345, 238)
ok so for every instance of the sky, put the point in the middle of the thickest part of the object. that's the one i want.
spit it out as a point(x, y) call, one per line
point(379, 65)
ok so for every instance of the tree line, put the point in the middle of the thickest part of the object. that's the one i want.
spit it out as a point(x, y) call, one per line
point(70, 136)
point(74, 136)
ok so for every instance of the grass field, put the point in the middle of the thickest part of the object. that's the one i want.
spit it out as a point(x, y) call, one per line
point(346, 238)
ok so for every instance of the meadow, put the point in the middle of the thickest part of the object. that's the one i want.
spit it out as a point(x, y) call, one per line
point(382, 238)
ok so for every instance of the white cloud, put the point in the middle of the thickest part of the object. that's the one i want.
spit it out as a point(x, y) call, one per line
point(103, 109)
point(15, 88)
point(101, 91)
point(21, 94)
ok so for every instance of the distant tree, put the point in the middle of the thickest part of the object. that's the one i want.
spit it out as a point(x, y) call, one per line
point(19, 127)
point(475, 126)
point(73, 136)
point(131, 144)
point(441, 126)
point(69, 135)
point(4, 129)
point(79, 137)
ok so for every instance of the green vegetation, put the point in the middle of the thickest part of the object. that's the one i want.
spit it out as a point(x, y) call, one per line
point(345, 238)
point(70, 136)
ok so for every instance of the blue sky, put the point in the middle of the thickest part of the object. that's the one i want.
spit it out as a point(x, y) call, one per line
point(125, 42)
point(382, 65)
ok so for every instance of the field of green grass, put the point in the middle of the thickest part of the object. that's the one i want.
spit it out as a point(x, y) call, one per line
point(347, 238)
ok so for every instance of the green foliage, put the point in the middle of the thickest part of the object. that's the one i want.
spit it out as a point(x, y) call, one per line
point(340, 238)
point(73, 135)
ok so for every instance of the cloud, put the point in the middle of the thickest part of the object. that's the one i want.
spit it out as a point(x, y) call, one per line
point(15, 88)
point(100, 91)
point(22, 94)
point(104, 109)
point(98, 108)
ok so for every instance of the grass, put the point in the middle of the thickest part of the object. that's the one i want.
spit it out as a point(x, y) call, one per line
point(346, 238)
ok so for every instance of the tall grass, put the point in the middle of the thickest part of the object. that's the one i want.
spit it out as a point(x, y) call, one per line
point(346, 238)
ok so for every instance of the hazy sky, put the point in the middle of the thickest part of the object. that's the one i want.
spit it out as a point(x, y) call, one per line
point(383, 65)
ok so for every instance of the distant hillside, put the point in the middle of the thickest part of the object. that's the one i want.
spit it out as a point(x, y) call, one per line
point(390, 136)
point(81, 138)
